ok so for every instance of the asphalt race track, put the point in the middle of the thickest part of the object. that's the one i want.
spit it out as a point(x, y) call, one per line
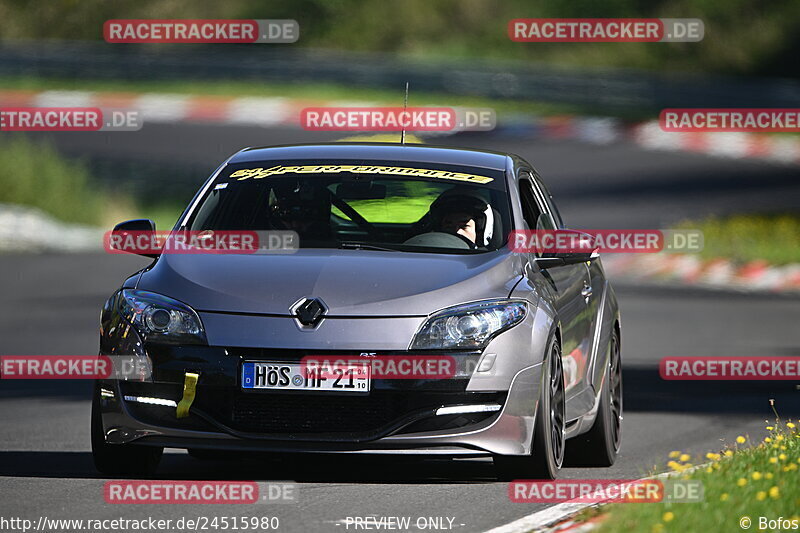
point(51, 303)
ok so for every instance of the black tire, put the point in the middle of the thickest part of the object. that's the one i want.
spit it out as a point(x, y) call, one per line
point(127, 460)
point(600, 446)
point(549, 436)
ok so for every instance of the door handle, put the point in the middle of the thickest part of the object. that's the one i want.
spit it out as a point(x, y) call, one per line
point(587, 291)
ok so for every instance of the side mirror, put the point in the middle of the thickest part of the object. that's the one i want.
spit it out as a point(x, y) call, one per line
point(135, 226)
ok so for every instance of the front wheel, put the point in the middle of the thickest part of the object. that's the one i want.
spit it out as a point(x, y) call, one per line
point(120, 459)
point(549, 437)
point(600, 445)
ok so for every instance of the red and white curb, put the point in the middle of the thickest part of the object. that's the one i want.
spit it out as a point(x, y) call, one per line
point(276, 111)
point(715, 273)
point(776, 148)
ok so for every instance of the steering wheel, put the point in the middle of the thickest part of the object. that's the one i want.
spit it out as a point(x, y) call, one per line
point(440, 239)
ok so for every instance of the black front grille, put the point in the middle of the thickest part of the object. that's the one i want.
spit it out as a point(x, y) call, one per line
point(294, 413)
point(338, 416)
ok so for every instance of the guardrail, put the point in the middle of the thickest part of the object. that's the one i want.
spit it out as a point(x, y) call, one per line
point(597, 90)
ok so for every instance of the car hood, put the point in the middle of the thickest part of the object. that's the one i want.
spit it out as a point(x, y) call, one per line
point(349, 282)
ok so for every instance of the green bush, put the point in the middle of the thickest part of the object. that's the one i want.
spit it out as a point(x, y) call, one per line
point(774, 238)
point(741, 36)
point(35, 175)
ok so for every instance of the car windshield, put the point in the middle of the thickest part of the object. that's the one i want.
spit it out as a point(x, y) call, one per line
point(380, 206)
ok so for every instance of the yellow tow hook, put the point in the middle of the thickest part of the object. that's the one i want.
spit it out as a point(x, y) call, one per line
point(189, 390)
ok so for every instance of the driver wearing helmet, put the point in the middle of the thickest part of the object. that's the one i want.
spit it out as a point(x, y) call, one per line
point(300, 206)
point(463, 213)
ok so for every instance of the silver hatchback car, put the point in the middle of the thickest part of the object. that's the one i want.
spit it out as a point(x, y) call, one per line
point(438, 337)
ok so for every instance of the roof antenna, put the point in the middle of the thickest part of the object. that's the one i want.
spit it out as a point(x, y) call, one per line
point(405, 106)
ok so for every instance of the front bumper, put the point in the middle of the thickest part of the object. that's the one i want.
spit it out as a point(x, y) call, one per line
point(396, 416)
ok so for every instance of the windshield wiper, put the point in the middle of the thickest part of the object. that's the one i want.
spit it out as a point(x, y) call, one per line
point(349, 245)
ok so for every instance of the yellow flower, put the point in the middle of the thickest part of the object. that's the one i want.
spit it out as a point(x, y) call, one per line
point(782, 447)
point(728, 453)
point(723, 497)
point(742, 482)
point(790, 467)
point(761, 495)
point(740, 439)
point(685, 457)
point(779, 438)
point(768, 475)
point(709, 470)
point(668, 516)
point(675, 466)
point(716, 466)
point(789, 425)
point(674, 455)
point(713, 456)
point(768, 439)
point(774, 493)
point(756, 475)
point(770, 428)
point(782, 457)
point(773, 460)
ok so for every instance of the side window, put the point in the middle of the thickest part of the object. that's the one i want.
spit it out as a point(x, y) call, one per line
point(543, 220)
point(551, 205)
point(530, 211)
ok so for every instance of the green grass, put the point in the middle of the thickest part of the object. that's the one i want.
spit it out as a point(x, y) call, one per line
point(36, 175)
point(774, 238)
point(757, 479)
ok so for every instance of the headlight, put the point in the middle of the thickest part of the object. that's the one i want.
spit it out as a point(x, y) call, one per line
point(469, 326)
point(161, 319)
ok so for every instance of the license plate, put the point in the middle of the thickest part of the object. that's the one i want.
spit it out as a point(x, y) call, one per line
point(296, 376)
